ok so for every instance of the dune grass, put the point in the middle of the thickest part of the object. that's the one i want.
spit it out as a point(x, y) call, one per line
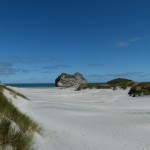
point(22, 120)
point(20, 139)
point(13, 92)
point(16, 139)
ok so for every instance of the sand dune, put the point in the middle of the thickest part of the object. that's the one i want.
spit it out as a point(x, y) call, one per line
point(88, 119)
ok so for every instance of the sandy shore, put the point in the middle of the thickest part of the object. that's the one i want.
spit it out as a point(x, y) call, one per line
point(88, 119)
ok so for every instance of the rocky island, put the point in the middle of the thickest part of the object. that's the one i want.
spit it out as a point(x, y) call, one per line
point(70, 80)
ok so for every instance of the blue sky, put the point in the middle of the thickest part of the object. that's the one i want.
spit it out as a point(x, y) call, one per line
point(40, 39)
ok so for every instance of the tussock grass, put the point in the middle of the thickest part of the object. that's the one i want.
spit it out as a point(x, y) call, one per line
point(22, 120)
point(13, 138)
point(20, 136)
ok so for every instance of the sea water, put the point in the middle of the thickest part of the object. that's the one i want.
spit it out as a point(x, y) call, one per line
point(33, 85)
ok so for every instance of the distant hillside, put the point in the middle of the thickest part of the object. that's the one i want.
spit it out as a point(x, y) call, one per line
point(119, 81)
point(112, 84)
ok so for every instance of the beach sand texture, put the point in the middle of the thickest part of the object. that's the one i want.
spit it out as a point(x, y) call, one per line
point(88, 119)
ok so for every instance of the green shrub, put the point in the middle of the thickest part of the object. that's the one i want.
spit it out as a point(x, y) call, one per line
point(140, 89)
point(102, 86)
point(94, 86)
point(83, 86)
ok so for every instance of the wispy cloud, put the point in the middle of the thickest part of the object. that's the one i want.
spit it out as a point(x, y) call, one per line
point(31, 79)
point(135, 39)
point(30, 59)
point(25, 71)
point(54, 67)
point(126, 74)
point(124, 43)
point(19, 59)
point(96, 65)
point(6, 68)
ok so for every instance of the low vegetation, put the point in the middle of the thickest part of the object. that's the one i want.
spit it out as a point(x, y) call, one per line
point(93, 86)
point(140, 89)
point(113, 84)
point(12, 92)
point(15, 139)
point(136, 89)
point(19, 135)
point(10, 111)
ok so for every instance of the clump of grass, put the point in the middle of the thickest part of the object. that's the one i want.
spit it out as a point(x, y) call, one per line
point(13, 138)
point(18, 137)
point(140, 89)
point(93, 86)
point(102, 86)
point(83, 86)
point(22, 120)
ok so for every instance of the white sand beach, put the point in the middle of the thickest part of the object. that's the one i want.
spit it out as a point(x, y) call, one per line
point(88, 119)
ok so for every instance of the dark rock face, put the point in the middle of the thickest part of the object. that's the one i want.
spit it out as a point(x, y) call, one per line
point(69, 80)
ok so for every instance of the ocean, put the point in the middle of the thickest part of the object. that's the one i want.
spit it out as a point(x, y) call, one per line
point(33, 85)
point(36, 85)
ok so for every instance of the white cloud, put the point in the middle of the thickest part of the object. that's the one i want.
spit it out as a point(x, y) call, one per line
point(124, 43)
point(53, 67)
point(7, 69)
point(135, 39)
point(96, 65)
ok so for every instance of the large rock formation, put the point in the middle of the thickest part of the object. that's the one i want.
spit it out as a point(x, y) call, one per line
point(69, 80)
